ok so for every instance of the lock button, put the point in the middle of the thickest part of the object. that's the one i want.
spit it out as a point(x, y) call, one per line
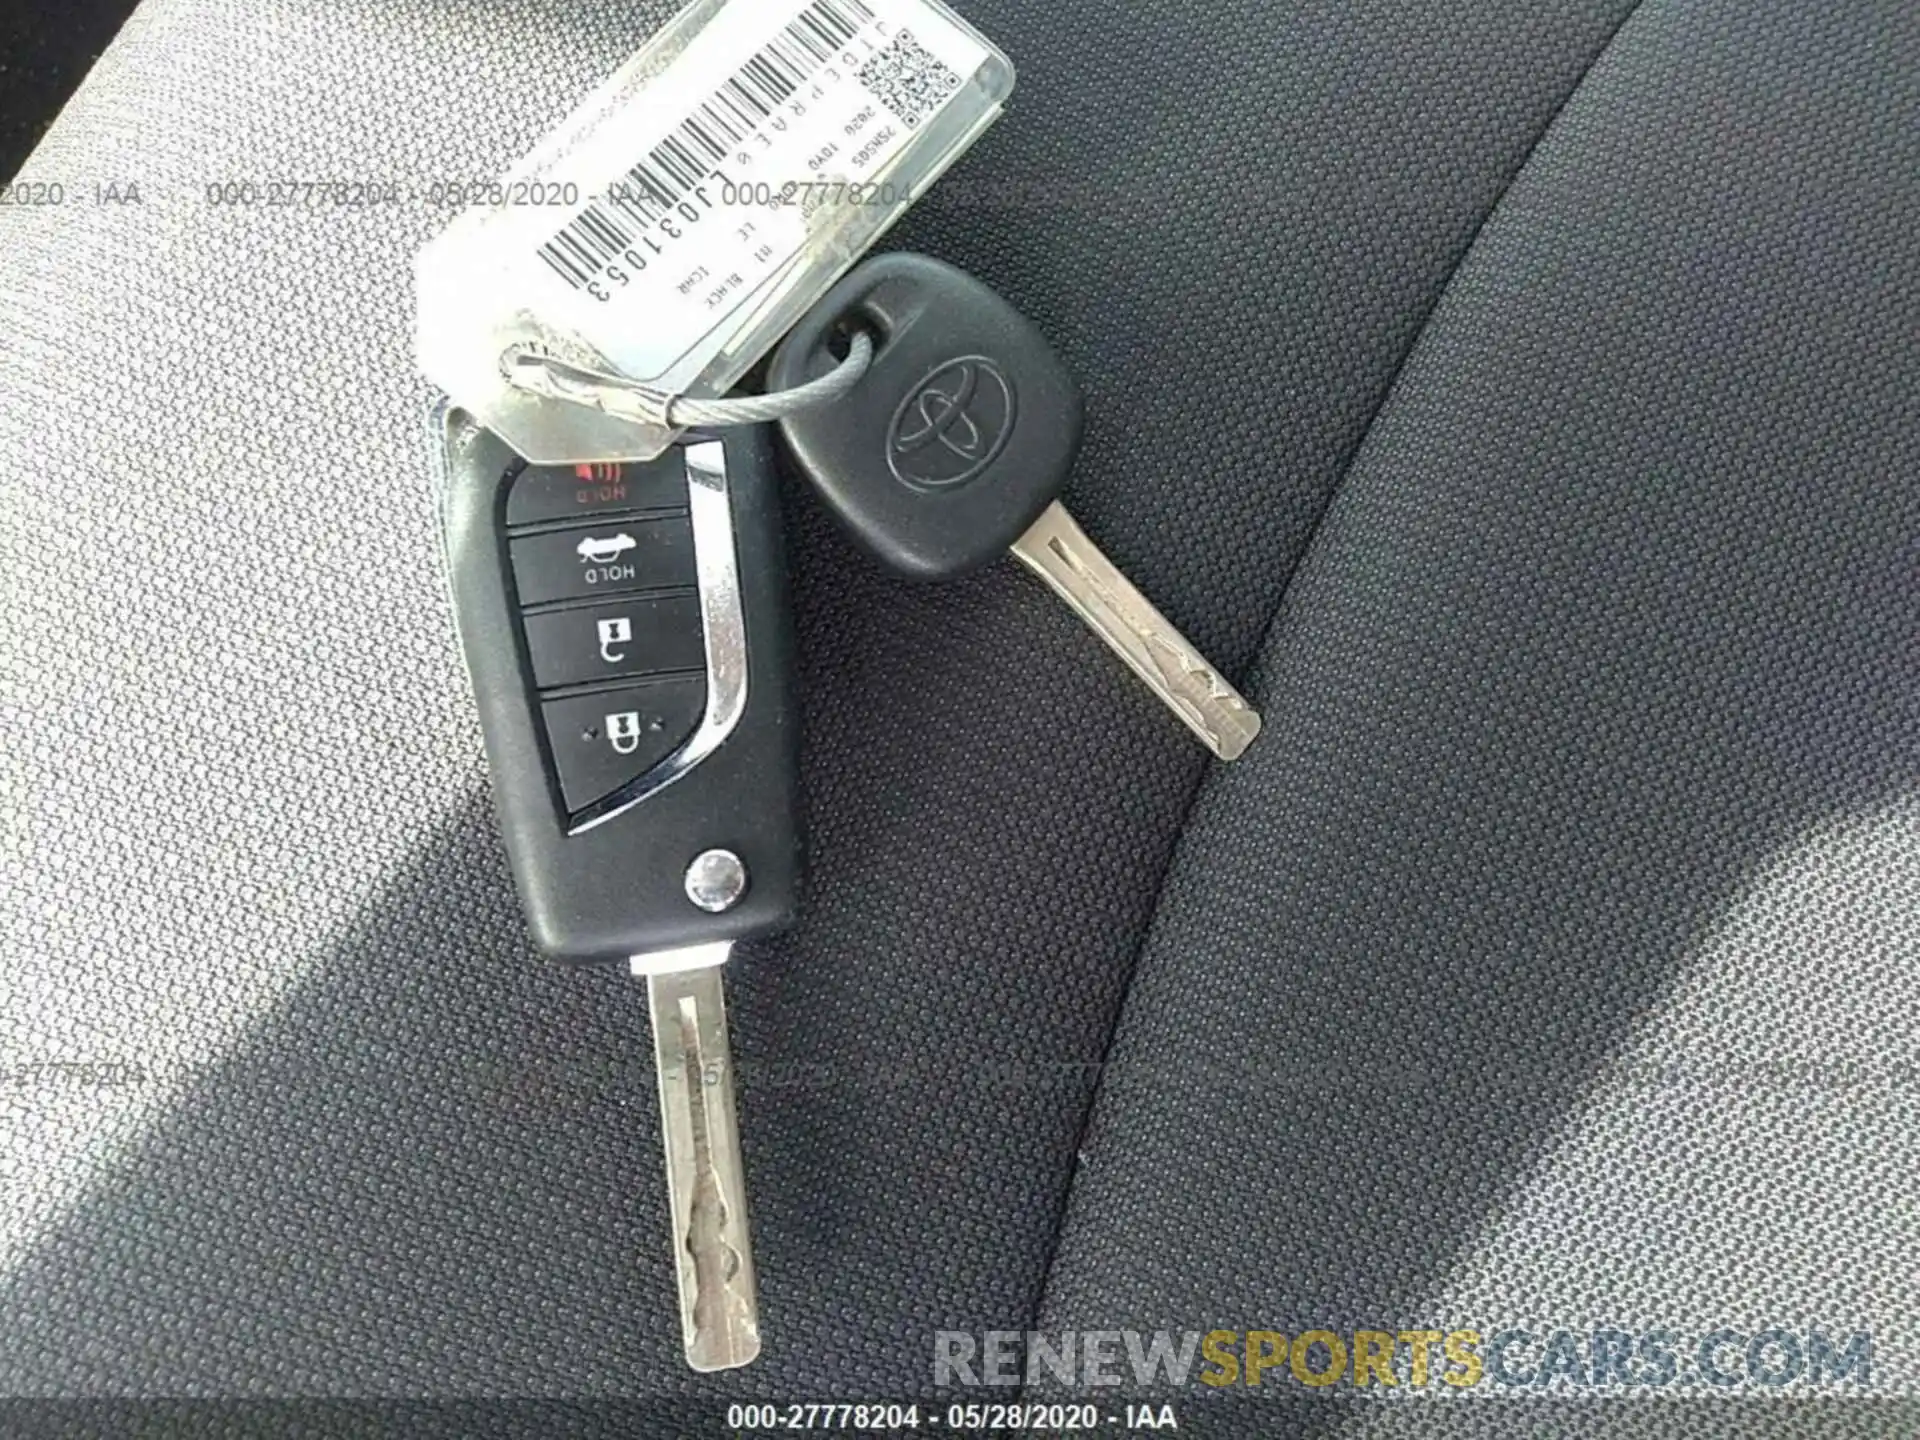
point(608, 739)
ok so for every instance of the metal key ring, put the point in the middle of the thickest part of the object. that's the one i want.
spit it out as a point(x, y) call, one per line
point(555, 379)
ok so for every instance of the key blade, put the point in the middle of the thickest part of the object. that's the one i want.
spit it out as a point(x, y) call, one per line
point(706, 1178)
point(1059, 552)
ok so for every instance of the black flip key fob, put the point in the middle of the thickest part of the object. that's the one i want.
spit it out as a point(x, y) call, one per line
point(626, 629)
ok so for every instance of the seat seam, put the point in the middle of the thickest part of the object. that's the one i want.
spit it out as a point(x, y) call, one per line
point(1265, 636)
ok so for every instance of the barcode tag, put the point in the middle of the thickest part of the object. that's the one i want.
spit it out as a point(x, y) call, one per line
point(674, 227)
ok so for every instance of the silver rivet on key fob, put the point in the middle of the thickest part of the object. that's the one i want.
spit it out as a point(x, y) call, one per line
point(950, 451)
point(626, 631)
point(716, 880)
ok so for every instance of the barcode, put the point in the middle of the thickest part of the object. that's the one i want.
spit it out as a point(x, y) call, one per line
point(909, 80)
point(598, 235)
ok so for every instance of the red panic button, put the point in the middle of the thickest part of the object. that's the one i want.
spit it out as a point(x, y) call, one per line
point(571, 492)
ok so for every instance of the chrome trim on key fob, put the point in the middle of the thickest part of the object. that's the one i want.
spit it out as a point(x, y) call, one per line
point(717, 568)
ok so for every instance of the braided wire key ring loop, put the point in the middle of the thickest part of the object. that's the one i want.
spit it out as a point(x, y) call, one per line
point(556, 379)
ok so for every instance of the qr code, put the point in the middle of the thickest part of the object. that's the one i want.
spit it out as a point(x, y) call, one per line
point(908, 80)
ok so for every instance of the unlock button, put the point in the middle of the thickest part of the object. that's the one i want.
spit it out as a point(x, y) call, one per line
point(642, 635)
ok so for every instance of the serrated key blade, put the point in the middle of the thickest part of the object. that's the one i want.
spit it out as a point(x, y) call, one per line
point(1059, 552)
point(706, 1177)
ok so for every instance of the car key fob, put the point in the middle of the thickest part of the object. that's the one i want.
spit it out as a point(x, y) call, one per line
point(626, 630)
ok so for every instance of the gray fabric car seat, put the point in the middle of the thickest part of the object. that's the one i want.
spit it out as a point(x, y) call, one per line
point(1590, 749)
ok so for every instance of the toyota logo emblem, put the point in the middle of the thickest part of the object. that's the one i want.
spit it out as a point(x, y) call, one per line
point(952, 425)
